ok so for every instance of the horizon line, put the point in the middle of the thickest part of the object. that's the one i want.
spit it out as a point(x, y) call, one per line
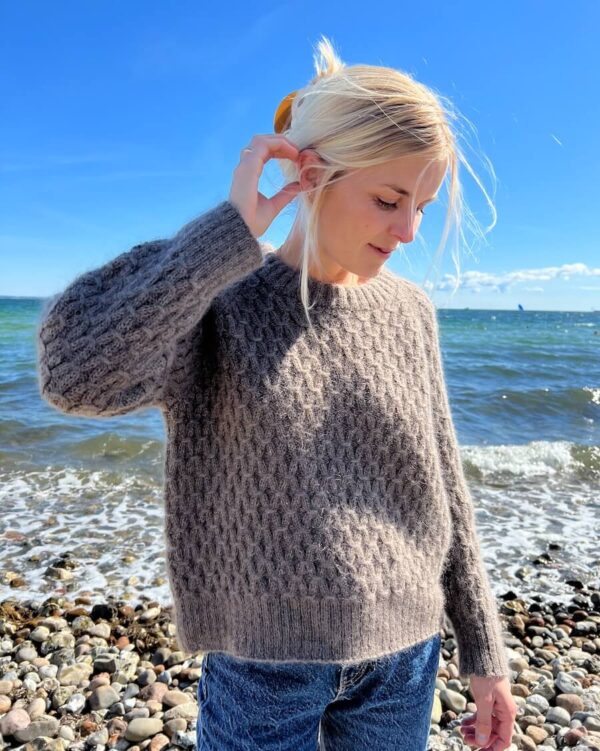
point(444, 307)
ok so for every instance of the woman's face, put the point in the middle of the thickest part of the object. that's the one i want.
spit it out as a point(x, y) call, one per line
point(362, 209)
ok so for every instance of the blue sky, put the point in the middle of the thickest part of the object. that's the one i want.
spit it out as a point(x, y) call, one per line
point(122, 121)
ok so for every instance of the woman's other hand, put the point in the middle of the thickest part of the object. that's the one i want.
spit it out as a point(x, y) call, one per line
point(490, 728)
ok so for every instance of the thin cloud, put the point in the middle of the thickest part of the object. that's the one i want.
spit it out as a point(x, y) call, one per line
point(477, 281)
point(128, 175)
point(50, 161)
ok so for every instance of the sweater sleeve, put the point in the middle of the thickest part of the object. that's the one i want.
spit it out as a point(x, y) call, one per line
point(469, 599)
point(106, 343)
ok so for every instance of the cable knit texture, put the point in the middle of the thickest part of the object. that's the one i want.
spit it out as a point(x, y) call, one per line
point(315, 503)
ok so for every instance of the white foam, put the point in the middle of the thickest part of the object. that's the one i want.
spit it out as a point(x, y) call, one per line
point(525, 497)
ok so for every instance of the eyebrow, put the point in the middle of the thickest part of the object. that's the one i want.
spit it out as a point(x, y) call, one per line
point(403, 192)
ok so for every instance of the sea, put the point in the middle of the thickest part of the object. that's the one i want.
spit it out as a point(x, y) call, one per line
point(84, 495)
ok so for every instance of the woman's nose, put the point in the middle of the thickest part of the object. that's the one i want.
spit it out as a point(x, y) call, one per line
point(405, 228)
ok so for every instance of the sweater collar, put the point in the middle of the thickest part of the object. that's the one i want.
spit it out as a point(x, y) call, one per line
point(378, 293)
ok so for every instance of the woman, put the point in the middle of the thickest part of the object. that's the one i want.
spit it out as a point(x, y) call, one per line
point(317, 521)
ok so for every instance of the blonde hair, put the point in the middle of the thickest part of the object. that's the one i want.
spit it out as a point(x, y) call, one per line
point(362, 115)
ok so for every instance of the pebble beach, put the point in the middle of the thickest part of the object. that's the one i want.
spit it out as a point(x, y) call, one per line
point(89, 677)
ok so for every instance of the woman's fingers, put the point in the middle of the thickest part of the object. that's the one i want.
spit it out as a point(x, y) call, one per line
point(258, 211)
point(280, 200)
point(265, 147)
point(500, 737)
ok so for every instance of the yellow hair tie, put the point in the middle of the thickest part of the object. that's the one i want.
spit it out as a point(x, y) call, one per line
point(283, 113)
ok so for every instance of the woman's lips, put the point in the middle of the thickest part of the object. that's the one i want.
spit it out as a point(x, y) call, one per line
point(384, 253)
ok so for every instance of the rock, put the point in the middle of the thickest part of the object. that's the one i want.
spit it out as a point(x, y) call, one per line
point(528, 677)
point(36, 708)
point(538, 735)
point(100, 630)
point(571, 702)
point(158, 742)
point(48, 671)
point(44, 744)
point(16, 719)
point(188, 711)
point(102, 697)
point(105, 663)
point(5, 704)
point(453, 700)
point(546, 688)
point(592, 724)
point(40, 634)
point(99, 738)
point(66, 732)
point(100, 679)
point(436, 710)
point(82, 625)
point(75, 704)
point(142, 728)
point(26, 654)
point(61, 640)
point(539, 702)
point(172, 726)
point(175, 658)
point(558, 716)
point(573, 736)
point(149, 615)
point(138, 712)
point(42, 726)
point(74, 675)
point(567, 684)
point(154, 692)
point(185, 740)
point(146, 677)
point(173, 698)
point(518, 663)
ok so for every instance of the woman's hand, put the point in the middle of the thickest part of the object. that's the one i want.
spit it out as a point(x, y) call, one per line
point(258, 211)
point(490, 728)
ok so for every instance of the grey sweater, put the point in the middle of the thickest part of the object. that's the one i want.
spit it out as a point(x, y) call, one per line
point(315, 504)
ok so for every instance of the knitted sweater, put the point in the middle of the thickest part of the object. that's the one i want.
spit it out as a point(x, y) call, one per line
point(315, 504)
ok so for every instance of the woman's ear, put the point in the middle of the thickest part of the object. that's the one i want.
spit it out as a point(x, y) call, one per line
point(308, 172)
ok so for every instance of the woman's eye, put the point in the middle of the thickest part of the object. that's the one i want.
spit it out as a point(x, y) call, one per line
point(387, 206)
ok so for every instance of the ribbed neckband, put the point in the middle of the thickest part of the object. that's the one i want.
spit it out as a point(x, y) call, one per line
point(377, 293)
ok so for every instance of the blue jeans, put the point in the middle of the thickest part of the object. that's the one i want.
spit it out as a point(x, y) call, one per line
point(382, 704)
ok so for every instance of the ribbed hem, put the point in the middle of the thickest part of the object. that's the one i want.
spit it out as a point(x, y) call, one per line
point(481, 652)
point(307, 629)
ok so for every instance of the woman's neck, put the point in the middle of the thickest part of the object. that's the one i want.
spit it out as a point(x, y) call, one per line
point(325, 271)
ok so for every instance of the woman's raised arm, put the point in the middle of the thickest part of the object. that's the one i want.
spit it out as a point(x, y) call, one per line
point(106, 343)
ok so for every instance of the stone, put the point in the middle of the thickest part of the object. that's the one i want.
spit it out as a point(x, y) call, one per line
point(558, 716)
point(453, 700)
point(142, 728)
